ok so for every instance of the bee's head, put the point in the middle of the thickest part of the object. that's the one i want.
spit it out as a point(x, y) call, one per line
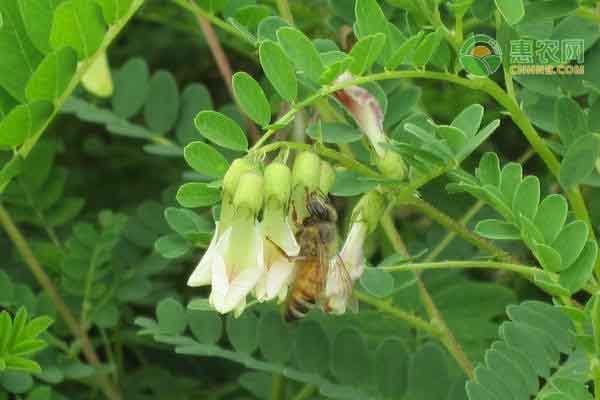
point(319, 208)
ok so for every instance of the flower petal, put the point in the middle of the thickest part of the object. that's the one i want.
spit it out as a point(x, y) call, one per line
point(366, 110)
point(278, 278)
point(202, 273)
point(352, 251)
point(277, 228)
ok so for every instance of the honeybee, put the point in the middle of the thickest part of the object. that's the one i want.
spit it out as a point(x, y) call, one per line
point(318, 260)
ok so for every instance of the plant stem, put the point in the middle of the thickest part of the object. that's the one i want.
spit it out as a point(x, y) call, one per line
point(224, 67)
point(278, 384)
point(284, 10)
point(342, 159)
point(525, 270)
point(63, 310)
point(306, 391)
point(470, 214)
point(461, 230)
point(386, 307)
point(446, 336)
point(199, 11)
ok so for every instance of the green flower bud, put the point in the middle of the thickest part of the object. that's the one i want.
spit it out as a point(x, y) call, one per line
point(327, 177)
point(307, 171)
point(392, 165)
point(249, 192)
point(231, 178)
point(278, 184)
point(369, 209)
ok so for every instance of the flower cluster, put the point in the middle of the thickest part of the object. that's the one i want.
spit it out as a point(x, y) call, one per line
point(254, 246)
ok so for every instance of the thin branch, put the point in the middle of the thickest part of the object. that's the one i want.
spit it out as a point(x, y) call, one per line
point(386, 307)
point(470, 214)
point(284, 10)
point(46, 283)
point(437, 319)
point(526, 270)
point(306, 392)
point(224, 66)
point(461, 230)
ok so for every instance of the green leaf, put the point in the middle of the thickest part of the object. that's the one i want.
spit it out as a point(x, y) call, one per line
point(186, 222)
point(569, 119)
point(489, 170)
point(365, 52)
point(428, 365)
point(23, 122)
point(172, 246)
point(78, 24)
point(377, 282)
point(275, 340)
point(312, 348)
point(196, 194)
point(37, 18)
point(469, 119)
point(349, 183)
point(350, 361)
point(579, 161)
point(402, 55)
point(221, 130)
point(512, 10)
point(251, 98)
point(527, 197)
point(194, 98)
point(19, 57)
point(301, 51)
point(171, 316)
point(279, 70)
point(333, 132)
point(570, 242)
point(243, 332)
point(162, 105)
point(371, 20)
point(17, 382)
point(131, 88)
point(114, 9)
point(549, 9)
point(580, 272)
point(427, 48)
point(205, 159)
point(455, 138)
point(510, 179)
point(391, 368)
point(497, 230)
point(206, 326)
point(52, 75)
point(268, 27)
point(551, 216)
point(549, 258)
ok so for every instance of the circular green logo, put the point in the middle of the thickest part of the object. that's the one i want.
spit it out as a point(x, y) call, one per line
point(480, 55)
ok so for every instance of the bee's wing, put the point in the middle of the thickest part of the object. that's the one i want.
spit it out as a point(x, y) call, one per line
point(339, 272)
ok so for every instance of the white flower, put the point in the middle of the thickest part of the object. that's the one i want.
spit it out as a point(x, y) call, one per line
point(202, 274)
point(346, 269)
point(237, 265)
point(366, 110)
point(280, 246)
